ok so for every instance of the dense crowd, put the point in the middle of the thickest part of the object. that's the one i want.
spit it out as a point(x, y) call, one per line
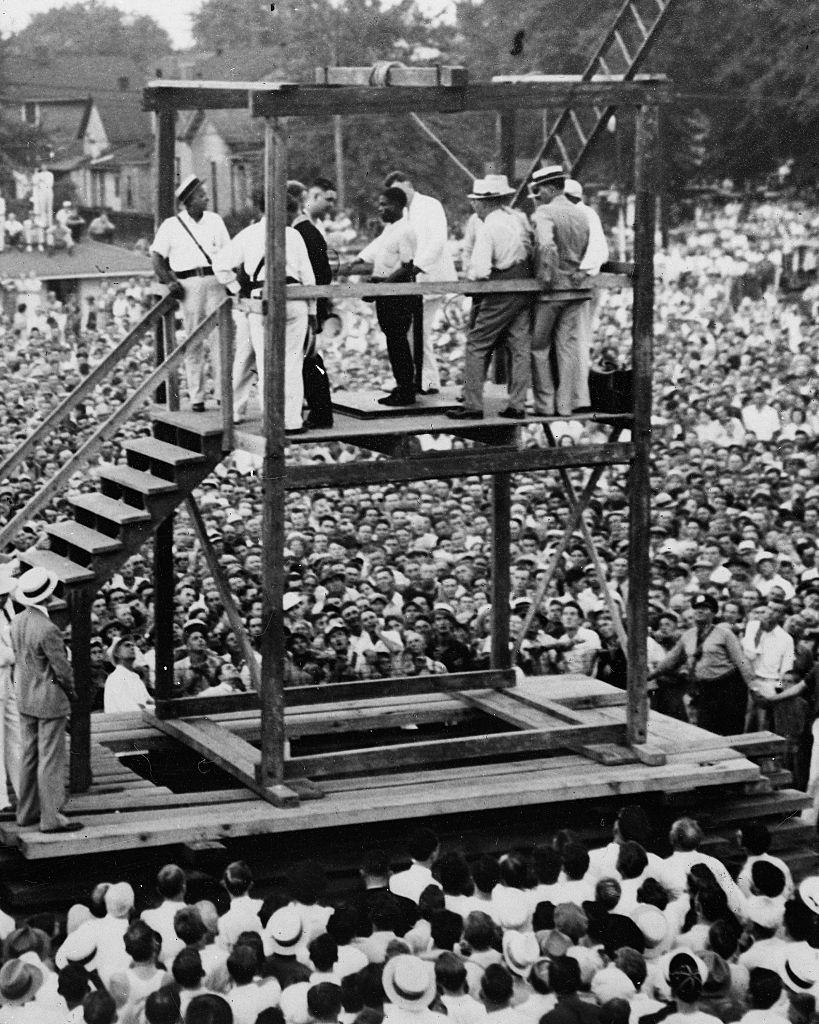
point(643, 929)
point(395, 579)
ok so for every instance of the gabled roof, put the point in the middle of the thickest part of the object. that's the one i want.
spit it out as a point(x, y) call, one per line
point(114, 83)
point(89, 259)
point(237, 129)
point(124, 156)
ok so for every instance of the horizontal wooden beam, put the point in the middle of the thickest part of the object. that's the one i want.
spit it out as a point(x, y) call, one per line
point(302, 696)
point(426, 752)
point(319, 100)
point(454, 464)
point(387, 74)
point(199, 94)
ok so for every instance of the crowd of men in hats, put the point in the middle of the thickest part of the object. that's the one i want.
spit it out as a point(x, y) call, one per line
point(646, 928)
point(394, 580)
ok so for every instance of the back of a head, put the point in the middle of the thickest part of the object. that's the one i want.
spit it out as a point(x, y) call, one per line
point(497, 985)
point(430, 900)
point(395, 176)
point(547, 865)
point(479, 930)
point(237, 878)
point(208, 1009)
point(632, 964)
point(141, 942)
point(633, 825)
point(446, 928)
point(452, 871)
point(375, 862)
point(485, 873)
point(162, 1006)
point(270, 1015)
point(575, 861)
point(723, 938)
point(653, 893)
point(73, 984)
point(188, 925)
point(323, 952)
point(371, 986)
point(170, 882)
point(324, 1001)
point(631, 860)
point(450, 972)
point(607, 892)
point(99, 1007)
point(767, 878)
point(764, 988)
point(422, 844)
point(307, 881)
point(756, 838)
point(187, 968)
point(513, 870)
point(242, 964)
point(396, 196)
point(685, 834)
point(385, 913)
point(564, 976)
point(615, 1011)
point(684, 978)
point(343, 924)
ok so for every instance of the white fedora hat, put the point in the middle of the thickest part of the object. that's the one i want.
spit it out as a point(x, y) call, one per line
point(493, 186)
point(409, 982)
point(35, 586)
point(285, 931)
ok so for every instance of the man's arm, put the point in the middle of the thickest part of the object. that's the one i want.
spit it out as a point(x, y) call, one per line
point(162, 269)
point(54, 649)
point(671, 661)
point(737, 656)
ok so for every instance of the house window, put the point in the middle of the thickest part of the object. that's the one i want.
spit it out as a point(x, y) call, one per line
point(129, 193)
point(116, 186)
point(213, 187)
point(31, 113)
point(123, 83)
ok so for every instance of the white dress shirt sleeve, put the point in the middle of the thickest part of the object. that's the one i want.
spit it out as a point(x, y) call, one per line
point(597, 250)
point(429, 225)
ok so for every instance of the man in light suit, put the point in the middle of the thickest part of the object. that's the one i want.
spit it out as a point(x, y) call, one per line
point(45, 691)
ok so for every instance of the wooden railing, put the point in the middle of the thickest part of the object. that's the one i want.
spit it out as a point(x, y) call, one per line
point(92, 446)
point(85, 387)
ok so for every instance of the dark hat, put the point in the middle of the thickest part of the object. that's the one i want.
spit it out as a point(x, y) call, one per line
point(705, 601)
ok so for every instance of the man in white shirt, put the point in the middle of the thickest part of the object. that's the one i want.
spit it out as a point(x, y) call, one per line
point(501, 252)
point(767, 577)
point(247, 250)
point(170, 885)
point(685, 838)
point(770, 651)
point(182, 254)
point(423, 849)
point(760, 418)
point(390, 258)
point(124, 689)
point(433, 260)
point(577, 648)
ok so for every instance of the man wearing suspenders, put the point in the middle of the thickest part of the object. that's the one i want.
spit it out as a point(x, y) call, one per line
point(182, 254)
point(247, 251)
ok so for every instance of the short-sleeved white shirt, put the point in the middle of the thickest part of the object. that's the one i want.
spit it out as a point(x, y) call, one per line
point(394, 246)
point(179, 249)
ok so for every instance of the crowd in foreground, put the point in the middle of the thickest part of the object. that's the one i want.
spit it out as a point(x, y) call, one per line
point(558, 934)
point(395, 580)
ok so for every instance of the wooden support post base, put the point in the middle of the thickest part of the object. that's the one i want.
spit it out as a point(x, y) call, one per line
point(648, 754)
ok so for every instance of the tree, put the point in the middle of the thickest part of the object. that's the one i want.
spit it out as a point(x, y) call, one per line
point(93, 27)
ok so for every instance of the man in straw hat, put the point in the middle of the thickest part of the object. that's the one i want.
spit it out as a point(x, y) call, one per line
point(409, 984)
point(182, 254)
point(561, 238)
point(501, 252)
point(45, 690)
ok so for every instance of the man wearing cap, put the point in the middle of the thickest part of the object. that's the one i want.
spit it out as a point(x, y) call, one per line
point(124, 689)
point(182, 254)
point(767, 577)
point(562, 236)
point(502, 251)
point(719, 672)
point(45, 691)
point(199, 669)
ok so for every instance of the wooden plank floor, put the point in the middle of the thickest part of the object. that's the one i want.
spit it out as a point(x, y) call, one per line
point(139, 815)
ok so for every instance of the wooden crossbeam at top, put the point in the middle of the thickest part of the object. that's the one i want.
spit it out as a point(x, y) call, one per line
point(285, 99)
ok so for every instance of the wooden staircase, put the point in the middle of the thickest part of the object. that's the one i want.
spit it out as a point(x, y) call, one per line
point(133, 500)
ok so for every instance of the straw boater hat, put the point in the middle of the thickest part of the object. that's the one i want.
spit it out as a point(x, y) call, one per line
point(284, 931)
point(573, 188)
point(550, 175)
point(521, 950)
point(35, 587)
point(187, 187)
point(409, 982)
point(493, 186)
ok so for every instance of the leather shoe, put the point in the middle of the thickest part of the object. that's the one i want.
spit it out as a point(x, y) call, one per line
point(430, 391)
point(198, 407)
point(317, 424)
point(463, 414)
point(512, 414)
point(70, 826)
point(293, 431)
point(397, 398)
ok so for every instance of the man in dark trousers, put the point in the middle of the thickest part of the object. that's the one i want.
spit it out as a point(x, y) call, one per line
point(45, 691)
point(320, 199)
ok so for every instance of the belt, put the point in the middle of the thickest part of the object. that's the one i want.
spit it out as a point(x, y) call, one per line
point(196, 272)
point(259, 287)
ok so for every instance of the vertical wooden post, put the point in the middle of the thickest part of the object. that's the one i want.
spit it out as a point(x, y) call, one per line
point(226, 338)
point(79, 605)
point(165, 121)
point(164, 575)
point(271, 769)
point(647, 172)
point(338, 146)
point(501, 510)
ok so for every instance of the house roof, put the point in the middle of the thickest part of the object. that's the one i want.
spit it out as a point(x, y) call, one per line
point(237, 129)
point(124, 156)
point(242, 65)
point(89, 259)
point(115, 84)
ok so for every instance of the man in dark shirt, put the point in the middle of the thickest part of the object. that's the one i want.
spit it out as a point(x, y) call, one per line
point(375, 876)
point(564, 981)
point(456, 656)
point(318, 202)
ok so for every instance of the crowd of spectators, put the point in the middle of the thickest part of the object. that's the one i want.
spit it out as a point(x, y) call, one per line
point(633, 931)
point(395, 579)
